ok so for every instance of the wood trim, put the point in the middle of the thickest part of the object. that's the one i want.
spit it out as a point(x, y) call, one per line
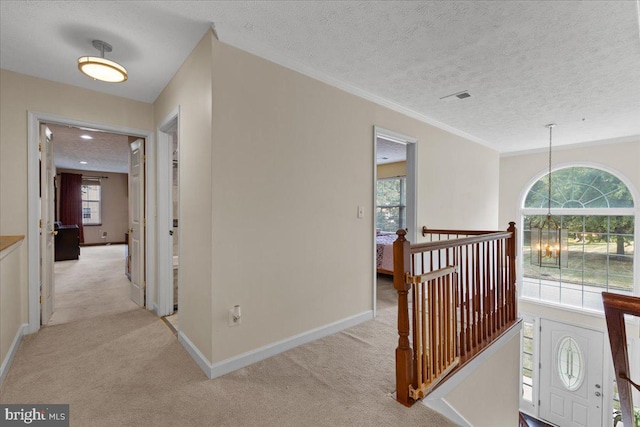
point(474, 276)
point(615, 307)
point(462, 241)
point(7, 241)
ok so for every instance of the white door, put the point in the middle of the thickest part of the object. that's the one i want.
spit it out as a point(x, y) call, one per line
point(136, 220)
point(570, 375)
point(47, 218)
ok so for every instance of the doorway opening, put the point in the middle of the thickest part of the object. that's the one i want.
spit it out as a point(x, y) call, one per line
point(169, 277)
point(394, 207)
point(168, 220)
point(88, 201)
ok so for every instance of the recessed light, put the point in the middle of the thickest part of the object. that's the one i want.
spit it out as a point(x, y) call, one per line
point(82, 162)
point(86, 137)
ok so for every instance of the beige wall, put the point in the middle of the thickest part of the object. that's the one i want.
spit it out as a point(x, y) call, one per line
point(10, 320)
point(115, 207)
point(190, 89)
point(518, 172)
point(20, 94)
point(287, 243)
point(489, 397)
point(390, 170)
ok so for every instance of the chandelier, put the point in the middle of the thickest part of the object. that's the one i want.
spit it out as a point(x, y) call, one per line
point(549, 247)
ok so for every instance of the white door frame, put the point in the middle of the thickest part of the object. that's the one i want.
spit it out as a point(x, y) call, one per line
point(607, 372)
point(33, 232)
point(165, 209)
point(412, 191)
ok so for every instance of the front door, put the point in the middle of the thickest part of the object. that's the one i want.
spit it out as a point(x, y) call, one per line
point(47, 218)
point(136, 220)
point(570, 375)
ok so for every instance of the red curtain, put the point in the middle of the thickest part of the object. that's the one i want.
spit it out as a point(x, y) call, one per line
point(71, 201)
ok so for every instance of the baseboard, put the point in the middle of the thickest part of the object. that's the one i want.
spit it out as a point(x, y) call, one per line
point(6, 363)
point(195, 353)
point(82, 245)
point(249, 358)
point(445, 408)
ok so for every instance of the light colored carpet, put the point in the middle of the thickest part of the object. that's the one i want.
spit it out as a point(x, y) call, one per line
point(91, 286)
point(128, 369)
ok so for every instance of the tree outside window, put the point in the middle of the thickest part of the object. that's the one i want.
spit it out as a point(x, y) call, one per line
point(597, 209)
point(91, 201)
point(391, 204)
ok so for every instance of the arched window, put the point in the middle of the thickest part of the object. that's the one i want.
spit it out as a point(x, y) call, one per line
point(597, 209)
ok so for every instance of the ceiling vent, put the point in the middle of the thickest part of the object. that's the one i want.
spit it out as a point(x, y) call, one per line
point(455, 96)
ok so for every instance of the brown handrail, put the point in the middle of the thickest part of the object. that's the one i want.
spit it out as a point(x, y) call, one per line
point(463, 299)
point(615, 307)
point(426, 231)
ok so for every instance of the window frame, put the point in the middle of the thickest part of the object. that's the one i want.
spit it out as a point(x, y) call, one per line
point(530, 408)
point(92, 182)
point(522, 212)
point(402, 208)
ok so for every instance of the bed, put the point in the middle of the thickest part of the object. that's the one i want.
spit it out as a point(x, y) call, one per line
point(384, 252)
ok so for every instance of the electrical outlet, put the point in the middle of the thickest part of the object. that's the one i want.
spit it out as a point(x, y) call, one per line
point(360, 212)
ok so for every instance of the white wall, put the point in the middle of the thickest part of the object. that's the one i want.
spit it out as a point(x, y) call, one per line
point(517, 172)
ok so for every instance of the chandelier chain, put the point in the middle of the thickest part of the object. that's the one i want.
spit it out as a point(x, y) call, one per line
point(549, 196)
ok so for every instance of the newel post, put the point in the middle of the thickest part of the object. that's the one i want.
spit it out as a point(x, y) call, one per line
point(511, 255)
point(404, 354)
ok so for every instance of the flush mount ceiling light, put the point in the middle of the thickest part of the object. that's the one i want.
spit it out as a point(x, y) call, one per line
point(86, 137)
point(100, 68)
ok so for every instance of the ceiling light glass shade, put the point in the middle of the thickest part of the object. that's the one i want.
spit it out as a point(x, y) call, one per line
point(102, 69)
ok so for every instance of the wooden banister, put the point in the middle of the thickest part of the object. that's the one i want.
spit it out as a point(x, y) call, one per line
point(615, 307)
point(463, 297)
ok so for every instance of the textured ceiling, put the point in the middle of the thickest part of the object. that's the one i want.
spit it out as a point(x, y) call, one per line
point(106, 152)
point(389, 151)
point(525, 64)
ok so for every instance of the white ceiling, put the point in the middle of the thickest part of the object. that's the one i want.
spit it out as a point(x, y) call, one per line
point(106, 152)
point(389, 151)
point(525, 64)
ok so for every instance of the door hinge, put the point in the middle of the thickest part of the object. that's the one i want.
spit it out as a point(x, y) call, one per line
point(40, 299)
point(40, 146)
point(538, 403)
point(40, 223)
point(144, 158)
point(539, 365)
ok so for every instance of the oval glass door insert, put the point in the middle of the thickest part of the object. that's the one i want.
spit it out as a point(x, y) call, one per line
point(570, 364)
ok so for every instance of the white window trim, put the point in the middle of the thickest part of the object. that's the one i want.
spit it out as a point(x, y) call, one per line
point(531, 408)
point(99, 184)
point(522, 211)
point(401, 207)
